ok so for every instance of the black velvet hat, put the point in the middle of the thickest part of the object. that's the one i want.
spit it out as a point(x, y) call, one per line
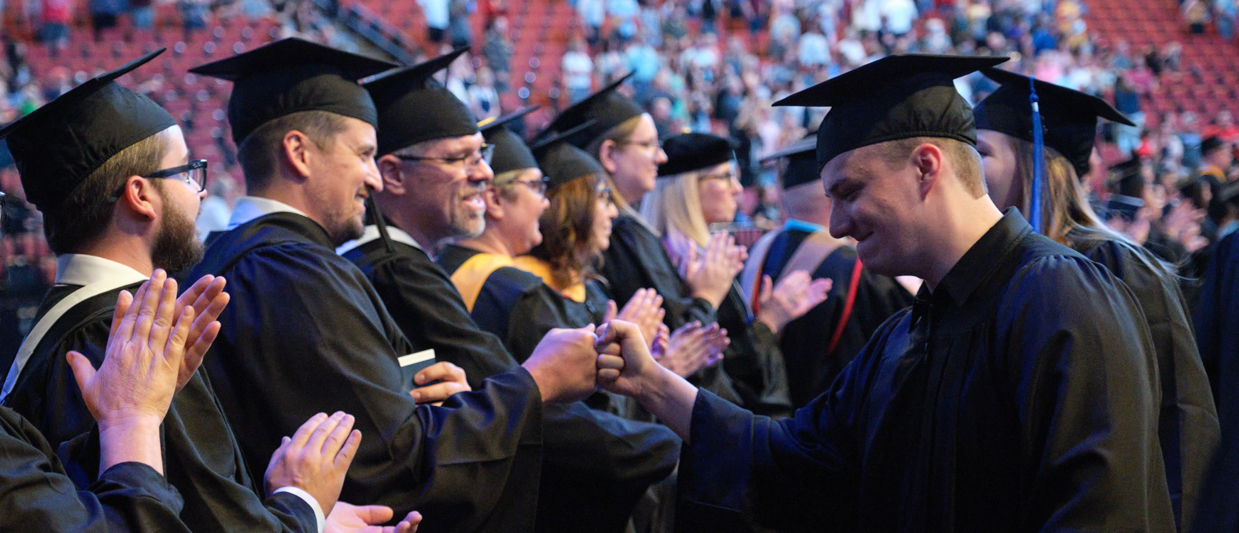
point(606, 108)
point(57, 146)
point(290, 76)
point(801, 162)
point(562, 162)
point(414, 107)
point(694, 151)
point(896, 97)
point(511, 152)
point(1068, 117)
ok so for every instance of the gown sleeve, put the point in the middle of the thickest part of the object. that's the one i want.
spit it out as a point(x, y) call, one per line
point(304, 333)
point(36, 495)
point(1086, 389)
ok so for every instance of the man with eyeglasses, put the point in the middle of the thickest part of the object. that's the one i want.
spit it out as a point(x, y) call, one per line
point(109, 170)
point(306, 332)
point(433, 183)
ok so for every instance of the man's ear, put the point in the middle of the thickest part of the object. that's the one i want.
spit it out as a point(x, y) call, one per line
point(927, 161)
point(607, 153)
point(494, 203)
point(391, 170)
point(138, 198)
point(298, 152)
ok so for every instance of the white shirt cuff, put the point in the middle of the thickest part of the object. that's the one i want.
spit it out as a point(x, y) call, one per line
point(318, 511)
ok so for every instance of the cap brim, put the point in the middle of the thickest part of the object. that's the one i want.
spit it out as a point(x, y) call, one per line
point(859, 82)
point(1077, 101)
point(290, 53)
point(413, 74)
point(807, 144)
point(492, 123)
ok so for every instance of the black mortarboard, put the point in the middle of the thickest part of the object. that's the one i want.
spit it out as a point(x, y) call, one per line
point(1127, 178)
point(1211, 143)
point(606, 108)
point(1123, 206)
point(562, 162)
point(511, 152)
point(59, 145)
point(414, 107)
point(1068, 117)
point(687, 152)
point(290, 76)
point(896, 97)
point(801, 162)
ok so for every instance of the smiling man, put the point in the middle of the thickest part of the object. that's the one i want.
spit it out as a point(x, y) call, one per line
point(429, 158)
point(307, 333)
point(1016, 395)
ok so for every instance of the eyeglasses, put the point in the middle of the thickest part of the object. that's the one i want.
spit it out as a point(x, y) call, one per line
point(724, 176)
point(651, 146)
point(537, 186)
point(193, 174)
point(485, 153)
point(605, 195)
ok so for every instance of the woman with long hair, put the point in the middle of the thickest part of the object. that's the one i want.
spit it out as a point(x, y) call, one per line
point(622, 137)
point(697, 187)
point(1188, 424)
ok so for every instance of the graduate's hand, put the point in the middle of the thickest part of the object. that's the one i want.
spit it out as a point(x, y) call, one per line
point(130, 393)
point(316, 458)
point(208, 299)
point(349, 518)
point(710, 274)
point(564, 365)
point(625, 376)
point(667, 396)
point(790, 299)
point(645, 310)
point(451, 380)
point(692, 348)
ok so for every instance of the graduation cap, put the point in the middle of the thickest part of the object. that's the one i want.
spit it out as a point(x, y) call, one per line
point(801, 162)
point(1069, 117)
point(511, 152)
point(1127, 178)
point(561, 161)
point(896, 97)
point(1123, 206)
point(414, 107)
point(290, 76)
point(687, 152)
point(57, 146)
point(1210, 144)
point(605, 108)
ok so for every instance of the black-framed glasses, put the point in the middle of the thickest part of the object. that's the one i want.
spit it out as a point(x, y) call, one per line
point(485, 153)
point(538, 186)
point(193, 174)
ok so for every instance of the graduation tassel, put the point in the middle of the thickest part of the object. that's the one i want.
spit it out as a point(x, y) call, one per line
point(372, 209)
point(1035, 217)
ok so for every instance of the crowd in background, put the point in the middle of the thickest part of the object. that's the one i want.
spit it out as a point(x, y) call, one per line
point(717, 66)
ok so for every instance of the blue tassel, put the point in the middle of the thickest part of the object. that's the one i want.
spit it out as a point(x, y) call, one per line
point(1035, 217)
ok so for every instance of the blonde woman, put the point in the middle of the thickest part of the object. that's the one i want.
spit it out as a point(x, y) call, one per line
point(697, 186)
point(1188, 420)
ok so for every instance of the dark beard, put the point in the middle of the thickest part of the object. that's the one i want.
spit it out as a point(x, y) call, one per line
point(176, 245)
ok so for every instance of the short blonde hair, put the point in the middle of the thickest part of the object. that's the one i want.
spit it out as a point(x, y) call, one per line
point(618, 133)
point(964, 158)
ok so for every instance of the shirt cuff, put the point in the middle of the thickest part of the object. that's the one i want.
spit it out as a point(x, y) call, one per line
point(318, 510)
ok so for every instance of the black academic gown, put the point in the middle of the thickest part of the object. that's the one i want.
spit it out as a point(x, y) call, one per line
point(804, 341)
point(579, 490)
point(36, 493)
point(753, 360)
point(637, 260)
point(305, 332)
point(1019, 396)
point(1188, 424)
point(202, 458)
